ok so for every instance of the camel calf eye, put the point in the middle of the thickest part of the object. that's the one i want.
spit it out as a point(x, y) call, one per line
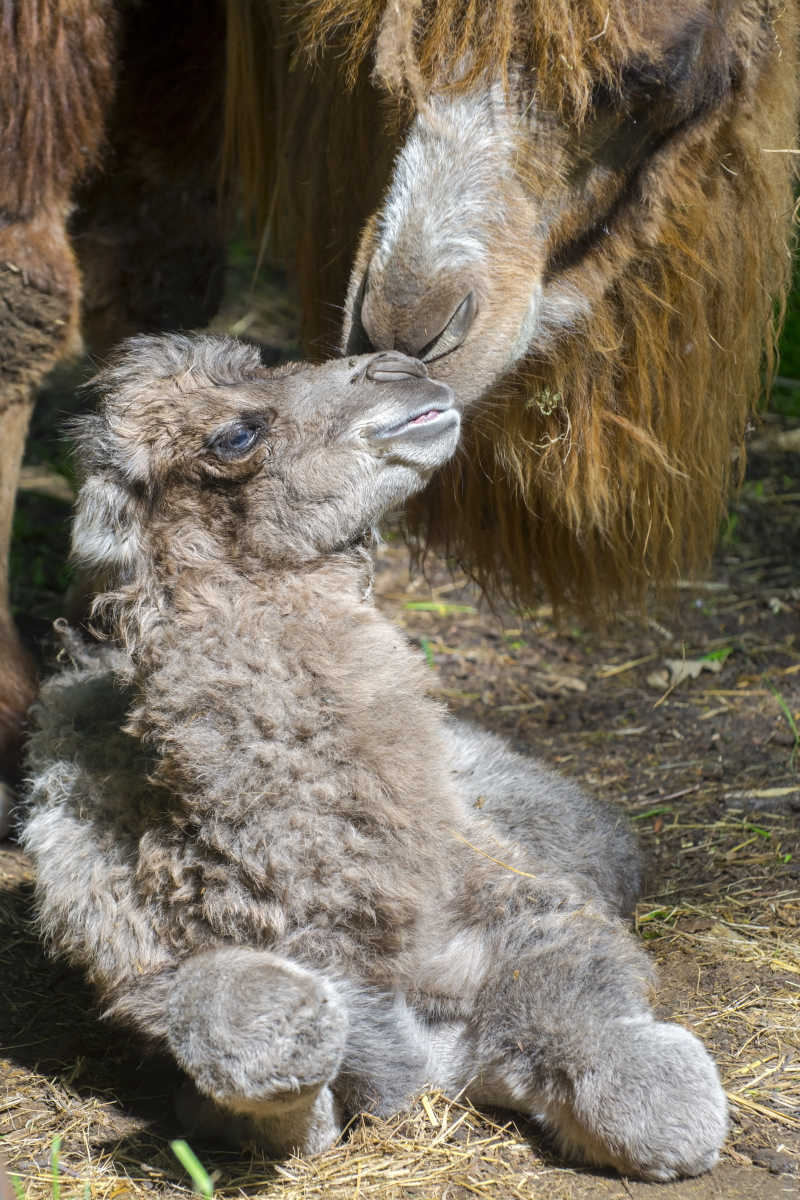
point(237, 440)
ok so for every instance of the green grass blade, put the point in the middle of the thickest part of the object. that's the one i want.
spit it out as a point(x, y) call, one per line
point(787, 712)
point(54, 1153)
point(441, 607)
point(721, 655)
point(201, 1180)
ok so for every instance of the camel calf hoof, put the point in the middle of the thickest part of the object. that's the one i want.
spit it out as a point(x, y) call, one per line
point(255, 1033)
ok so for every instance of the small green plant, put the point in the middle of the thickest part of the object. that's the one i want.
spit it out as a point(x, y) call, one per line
point(787, 712)
point(656, 914)
point(719, 656)
point(427, 651)
point(758, 830)
point(439, 607)
point(729, 530)
point(660, 916)
point(202, 1182)
point(754, 489)
point(546, 401)
point(55, 1174)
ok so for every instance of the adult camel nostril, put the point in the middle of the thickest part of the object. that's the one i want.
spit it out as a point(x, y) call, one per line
point(387, 316)
point(454, 333)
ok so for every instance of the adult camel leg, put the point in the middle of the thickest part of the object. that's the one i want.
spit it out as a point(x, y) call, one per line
point(39, 297)
point(17, 679)
point(55, 84)
point(39, 294)
point(149, 231)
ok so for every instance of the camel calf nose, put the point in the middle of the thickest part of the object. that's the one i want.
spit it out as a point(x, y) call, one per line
point(390, 366)
point(427, 325)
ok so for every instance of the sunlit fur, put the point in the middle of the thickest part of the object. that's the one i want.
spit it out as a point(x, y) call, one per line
point(267, 846)
point(600, 463)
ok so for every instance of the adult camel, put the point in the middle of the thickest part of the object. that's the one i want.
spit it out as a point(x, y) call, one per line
point(576, 211)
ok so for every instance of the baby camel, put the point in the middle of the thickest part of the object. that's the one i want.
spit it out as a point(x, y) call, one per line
point(268, 848)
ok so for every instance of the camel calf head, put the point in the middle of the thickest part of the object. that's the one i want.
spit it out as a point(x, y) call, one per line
point(199, 455)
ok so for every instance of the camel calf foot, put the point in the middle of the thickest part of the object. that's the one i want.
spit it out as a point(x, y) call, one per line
point(651, 1105)
point(306, 1125)
point(261, 1038)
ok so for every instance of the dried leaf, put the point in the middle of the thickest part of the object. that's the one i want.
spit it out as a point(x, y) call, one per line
point(679, 669)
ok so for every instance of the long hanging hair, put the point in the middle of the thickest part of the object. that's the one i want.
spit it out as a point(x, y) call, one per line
point(601, 468)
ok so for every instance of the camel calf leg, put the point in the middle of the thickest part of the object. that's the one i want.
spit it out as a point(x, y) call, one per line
point(564, 1033)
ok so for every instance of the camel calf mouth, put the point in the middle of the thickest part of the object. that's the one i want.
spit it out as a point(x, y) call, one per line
point(434, 412)
point(425, 423)
point(427, 420)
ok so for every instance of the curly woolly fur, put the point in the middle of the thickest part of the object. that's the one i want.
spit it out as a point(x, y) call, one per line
point(601, 464)
point(268, 848)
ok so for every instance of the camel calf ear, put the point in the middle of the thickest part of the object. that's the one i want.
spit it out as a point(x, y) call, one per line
point(106, 531)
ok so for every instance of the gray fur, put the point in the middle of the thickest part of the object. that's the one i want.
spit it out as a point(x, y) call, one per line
point(268, 848)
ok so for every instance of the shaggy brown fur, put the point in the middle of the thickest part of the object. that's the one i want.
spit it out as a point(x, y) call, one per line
point(55, 83)
point(55, 80)
point(312, 156)
point(54, 87)
point(602, 464)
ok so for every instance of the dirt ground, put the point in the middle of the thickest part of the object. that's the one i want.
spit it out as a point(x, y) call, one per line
point(689, 721)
